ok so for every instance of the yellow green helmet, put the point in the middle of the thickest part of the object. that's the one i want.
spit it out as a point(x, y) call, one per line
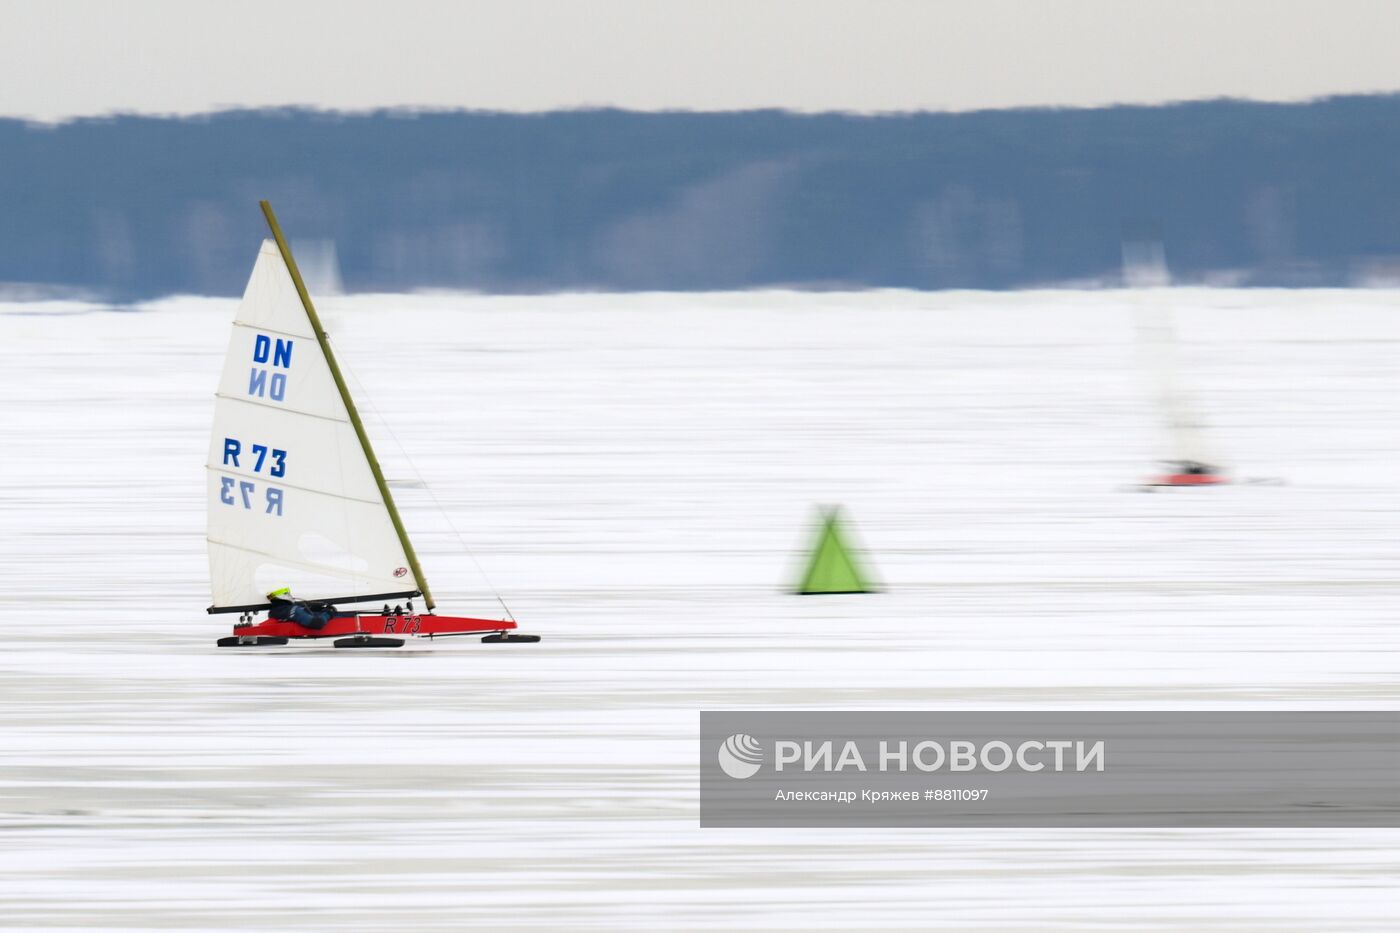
point(280, 591)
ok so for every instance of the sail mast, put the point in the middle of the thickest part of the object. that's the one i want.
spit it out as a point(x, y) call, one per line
point(349, 403)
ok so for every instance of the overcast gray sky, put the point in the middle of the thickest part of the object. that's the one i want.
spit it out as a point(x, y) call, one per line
point(66, 58)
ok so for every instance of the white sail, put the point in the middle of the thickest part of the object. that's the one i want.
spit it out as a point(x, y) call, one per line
point(292, 499)
point(1145, 268)
point(1185, 430)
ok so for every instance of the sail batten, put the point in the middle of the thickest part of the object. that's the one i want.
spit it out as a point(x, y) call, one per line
point(294, 496)
point(309, 490)
point(268, 330)
point(257, 404)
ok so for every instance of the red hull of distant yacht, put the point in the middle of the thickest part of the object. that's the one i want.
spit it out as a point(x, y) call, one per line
point(1188, 479)
point(420, 625)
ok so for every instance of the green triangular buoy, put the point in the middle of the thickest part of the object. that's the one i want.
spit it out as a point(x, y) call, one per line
point(832, 566)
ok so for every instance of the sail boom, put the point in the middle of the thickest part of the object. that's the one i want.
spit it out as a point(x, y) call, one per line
point(368, 598)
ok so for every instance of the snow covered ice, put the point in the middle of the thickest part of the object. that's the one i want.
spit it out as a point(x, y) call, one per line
point(635, 475)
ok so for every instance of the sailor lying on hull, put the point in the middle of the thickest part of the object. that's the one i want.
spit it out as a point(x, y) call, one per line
point(1192, 468)
point(286, 608)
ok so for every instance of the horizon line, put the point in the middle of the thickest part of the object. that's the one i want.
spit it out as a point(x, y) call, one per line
point(413, 111)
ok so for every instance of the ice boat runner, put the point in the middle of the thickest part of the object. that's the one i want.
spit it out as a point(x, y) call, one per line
point(296, 497)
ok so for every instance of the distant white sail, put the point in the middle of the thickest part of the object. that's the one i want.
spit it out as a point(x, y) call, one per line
point(1185, 429)
point(1145, 267)
point(292, 499)
point(319, 265)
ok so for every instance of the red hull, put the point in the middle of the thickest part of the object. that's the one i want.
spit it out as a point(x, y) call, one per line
point(1188, 479)
point(407, 624)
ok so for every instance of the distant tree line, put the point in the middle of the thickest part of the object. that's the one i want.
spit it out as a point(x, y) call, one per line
point(1250, 193)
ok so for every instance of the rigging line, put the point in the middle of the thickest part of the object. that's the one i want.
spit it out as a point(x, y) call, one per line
point(365, 398)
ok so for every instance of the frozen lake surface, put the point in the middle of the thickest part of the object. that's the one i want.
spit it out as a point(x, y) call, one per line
point(635, 474)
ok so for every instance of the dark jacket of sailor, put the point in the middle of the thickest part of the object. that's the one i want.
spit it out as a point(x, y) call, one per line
point(285, 608)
